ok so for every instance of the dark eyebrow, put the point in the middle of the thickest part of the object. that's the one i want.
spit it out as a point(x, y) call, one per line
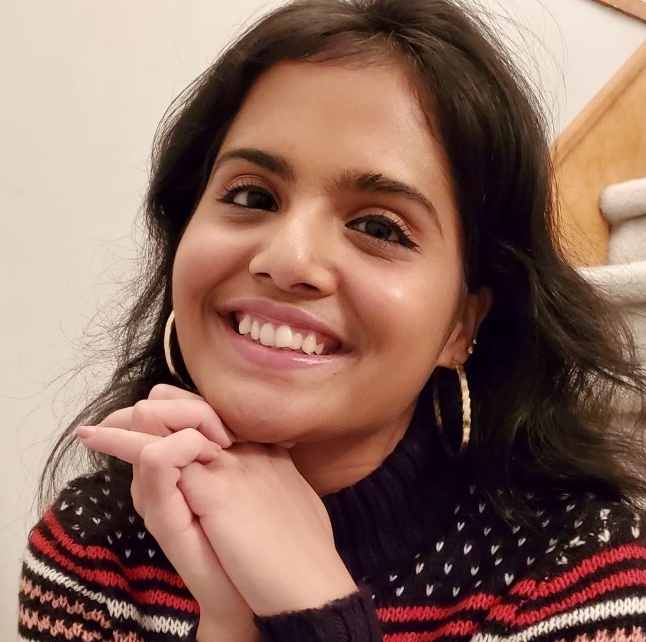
point(349, 180)
point(271, 162)
point(380, 184)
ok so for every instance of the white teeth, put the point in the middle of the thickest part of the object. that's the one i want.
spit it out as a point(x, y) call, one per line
point(297, 341)
point(244, 326)
point(281, 337)
point(255, 330)
point(284, 336)
point(268, 335)
point(309, 344)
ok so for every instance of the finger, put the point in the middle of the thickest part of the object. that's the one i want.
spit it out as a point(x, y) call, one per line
point(192, 556)
point(164, 391)
point(160, 466)
point(118, 419)
point(118, 442)
point(161, 461)
point(165, 416)
point(184, 542)
point(123, 418)
point(155, 489)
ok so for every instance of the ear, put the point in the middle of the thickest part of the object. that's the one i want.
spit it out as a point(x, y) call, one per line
point(474, 309)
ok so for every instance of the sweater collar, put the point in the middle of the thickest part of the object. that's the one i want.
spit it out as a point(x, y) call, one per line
point(392, 514)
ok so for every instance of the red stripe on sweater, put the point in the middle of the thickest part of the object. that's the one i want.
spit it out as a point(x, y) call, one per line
point(103, 553)
point(55, 628)
point(109, 579)
point(452, 629)
point(535, 589)
point(479, 601)
point(625, 579)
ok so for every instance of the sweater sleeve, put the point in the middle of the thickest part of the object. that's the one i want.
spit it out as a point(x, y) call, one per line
point(350, 619)
point(92, 573)
point(49, 611)
point(54, 602)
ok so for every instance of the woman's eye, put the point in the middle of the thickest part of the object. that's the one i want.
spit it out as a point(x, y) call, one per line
point(251, 198)
point(382, 229)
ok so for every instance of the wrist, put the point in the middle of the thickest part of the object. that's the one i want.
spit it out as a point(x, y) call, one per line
point(307, 594)
point(216, 630)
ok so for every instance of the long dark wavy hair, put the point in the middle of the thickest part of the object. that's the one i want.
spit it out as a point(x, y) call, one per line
point(552, 358)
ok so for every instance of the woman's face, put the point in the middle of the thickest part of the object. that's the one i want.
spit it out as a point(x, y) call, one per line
point(328, 223)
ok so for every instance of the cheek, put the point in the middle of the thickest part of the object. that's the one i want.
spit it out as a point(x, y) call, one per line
point(415, 307)
point(187, 276)
point(205, 258)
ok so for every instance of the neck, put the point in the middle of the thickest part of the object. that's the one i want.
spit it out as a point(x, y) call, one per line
point(337, 463)
point(399, 509)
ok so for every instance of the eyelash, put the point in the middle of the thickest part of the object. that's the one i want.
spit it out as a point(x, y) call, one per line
point(403, 235)
point(228, 194)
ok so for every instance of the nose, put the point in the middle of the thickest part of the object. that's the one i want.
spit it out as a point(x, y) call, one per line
point(296, 253)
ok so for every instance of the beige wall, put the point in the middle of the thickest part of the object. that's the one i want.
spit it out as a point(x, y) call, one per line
point(84, 84)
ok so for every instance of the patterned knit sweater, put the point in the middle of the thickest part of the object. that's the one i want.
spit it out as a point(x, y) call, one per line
point(433, 560)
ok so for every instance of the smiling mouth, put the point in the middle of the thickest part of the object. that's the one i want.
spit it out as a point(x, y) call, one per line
point(283, 336)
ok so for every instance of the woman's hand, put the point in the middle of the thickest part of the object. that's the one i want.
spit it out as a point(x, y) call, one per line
point(268, 527)
point(157, 466)
point(167, 410)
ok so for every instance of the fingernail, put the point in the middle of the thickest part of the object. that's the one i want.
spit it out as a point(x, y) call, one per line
point(84, 432)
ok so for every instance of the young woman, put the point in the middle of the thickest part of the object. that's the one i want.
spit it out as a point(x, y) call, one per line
point(361, 396)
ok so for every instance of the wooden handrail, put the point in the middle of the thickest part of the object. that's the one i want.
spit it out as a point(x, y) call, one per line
point(604, 145)
point(600, 104)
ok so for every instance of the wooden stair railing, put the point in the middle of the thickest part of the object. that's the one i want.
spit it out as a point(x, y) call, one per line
point(634, 8)
point(604, 145)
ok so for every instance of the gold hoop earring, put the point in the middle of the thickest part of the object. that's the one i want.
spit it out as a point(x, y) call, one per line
point(466, 413)
point(168, 350)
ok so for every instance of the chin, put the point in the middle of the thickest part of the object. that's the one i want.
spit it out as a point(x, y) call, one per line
point(265, 426)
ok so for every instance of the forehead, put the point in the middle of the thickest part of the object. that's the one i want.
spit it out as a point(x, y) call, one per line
point(344, 117)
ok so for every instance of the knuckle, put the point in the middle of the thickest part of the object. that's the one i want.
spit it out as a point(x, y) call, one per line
point(142, 411)
point(161, 391)
point(153, 457)
point(193, 435)
point(189, 437)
